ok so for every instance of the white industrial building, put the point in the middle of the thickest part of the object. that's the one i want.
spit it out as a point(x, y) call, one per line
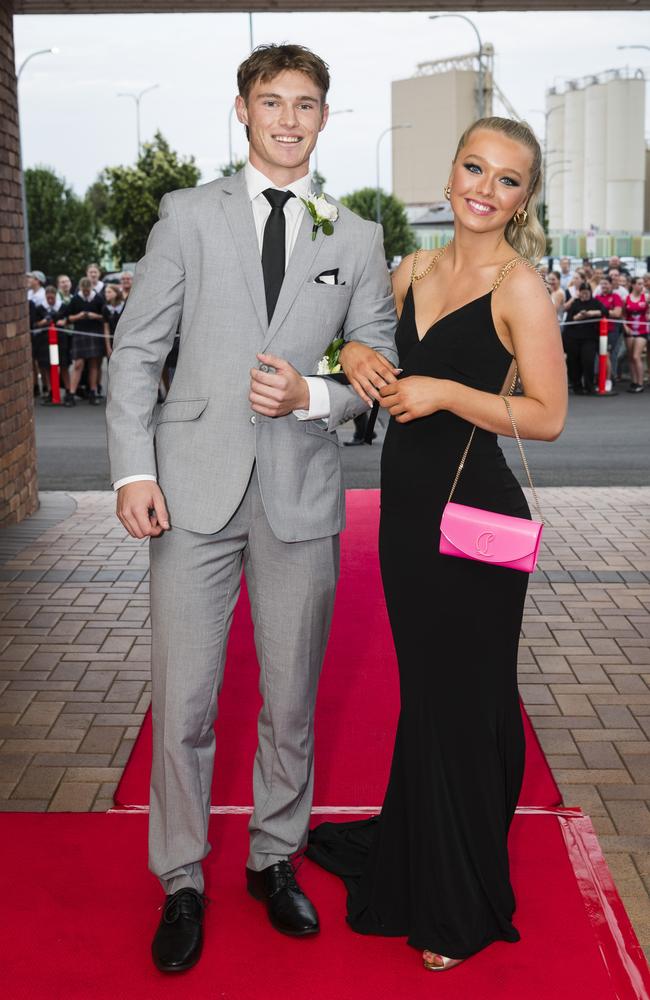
point(596, 153)
point(437, 103)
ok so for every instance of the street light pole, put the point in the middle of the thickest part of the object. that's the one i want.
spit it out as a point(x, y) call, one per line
point(545, 151)
point(23, 190)
point(480, 102)
point(391, 128)
point(137, 98)
point(230, 114)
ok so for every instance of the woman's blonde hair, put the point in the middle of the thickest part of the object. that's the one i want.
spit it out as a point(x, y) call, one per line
point(530, 240)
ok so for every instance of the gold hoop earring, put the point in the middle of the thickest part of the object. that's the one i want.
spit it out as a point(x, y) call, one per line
point(521, 217)
point(447, 191)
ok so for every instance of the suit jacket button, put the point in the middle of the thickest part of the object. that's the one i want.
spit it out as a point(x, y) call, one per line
point(253, 419)
point(264, 368)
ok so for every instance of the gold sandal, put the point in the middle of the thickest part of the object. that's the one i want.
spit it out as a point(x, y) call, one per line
point(442, 965)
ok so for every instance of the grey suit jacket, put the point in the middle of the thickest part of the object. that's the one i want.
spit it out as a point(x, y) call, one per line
point(202, 271)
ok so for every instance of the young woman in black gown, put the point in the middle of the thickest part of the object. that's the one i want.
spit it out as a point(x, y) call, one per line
point(434, 865)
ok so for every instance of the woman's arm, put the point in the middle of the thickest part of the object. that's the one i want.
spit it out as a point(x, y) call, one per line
point(527, 313)
point(367, 370)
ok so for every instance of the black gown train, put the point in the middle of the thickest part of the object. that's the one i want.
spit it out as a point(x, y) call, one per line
point(434, 865)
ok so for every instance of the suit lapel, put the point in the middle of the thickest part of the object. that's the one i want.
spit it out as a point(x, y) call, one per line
point(239, 215)
point(304, 254)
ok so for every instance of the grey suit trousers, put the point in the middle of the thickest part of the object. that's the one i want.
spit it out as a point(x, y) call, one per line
point(195, 583)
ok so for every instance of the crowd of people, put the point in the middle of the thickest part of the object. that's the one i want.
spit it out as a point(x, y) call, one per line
point(584, 296)
point(85, 317)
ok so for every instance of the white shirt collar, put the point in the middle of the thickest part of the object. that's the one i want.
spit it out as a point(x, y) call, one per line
point(256, 182)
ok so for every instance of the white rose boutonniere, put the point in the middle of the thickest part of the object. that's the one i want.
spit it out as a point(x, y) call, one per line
point(323, 213)
point(329, 363)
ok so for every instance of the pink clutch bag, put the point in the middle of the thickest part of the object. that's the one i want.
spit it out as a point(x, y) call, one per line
point(500, 539)
point(472, 533)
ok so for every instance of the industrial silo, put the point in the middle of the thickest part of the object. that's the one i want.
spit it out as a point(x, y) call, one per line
point(625, 162)
point(595, 157)
point(554, 181)
point(574, 147)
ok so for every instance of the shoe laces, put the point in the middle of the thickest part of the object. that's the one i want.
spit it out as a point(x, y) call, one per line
point(183, 904)
point(286, 876)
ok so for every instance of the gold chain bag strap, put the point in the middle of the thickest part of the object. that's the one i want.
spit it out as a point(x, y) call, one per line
point(483, 535)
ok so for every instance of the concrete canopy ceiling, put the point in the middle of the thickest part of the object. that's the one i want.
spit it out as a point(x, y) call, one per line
point(361, 6)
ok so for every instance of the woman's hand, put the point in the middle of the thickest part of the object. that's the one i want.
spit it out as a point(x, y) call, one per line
point(414, 397)
point(367, 370)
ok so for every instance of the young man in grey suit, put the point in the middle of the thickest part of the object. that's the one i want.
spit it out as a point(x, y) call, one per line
point(240, 467)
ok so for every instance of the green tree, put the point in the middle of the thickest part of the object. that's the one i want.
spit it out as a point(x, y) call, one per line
point(64, 232)
point(97, 197)
point(134, 193)
point(398, 235)
point(228, 169)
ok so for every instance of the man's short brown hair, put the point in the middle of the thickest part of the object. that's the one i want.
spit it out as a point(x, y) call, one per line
point(266, 61)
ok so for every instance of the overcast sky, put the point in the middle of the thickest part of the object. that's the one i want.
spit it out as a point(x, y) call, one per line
point(73, 121)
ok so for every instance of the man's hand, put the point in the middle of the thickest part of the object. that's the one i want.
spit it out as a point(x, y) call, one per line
point(141, 509)
point(366, 370)
point(276, 394)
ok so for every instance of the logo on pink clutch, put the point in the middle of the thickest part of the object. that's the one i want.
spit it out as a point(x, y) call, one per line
point(484, 541)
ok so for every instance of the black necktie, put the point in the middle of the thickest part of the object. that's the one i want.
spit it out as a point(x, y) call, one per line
point(273, 246)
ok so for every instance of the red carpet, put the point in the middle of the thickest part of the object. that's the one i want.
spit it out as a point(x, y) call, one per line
point(357, 703)
point(80, 909)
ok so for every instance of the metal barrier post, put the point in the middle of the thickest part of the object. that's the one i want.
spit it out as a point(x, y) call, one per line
point(54, 363)
point(602, 356)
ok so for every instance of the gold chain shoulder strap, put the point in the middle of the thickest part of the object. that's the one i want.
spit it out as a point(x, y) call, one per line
point(415, 264)
point(506, 400)
point(434, 260)
point(471, 438)
point(523, 456)
point(509, 266)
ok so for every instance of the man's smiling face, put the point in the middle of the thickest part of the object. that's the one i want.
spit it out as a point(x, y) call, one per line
point(284, 116)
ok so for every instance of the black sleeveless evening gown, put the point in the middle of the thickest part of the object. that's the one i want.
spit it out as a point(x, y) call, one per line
point(434, 865)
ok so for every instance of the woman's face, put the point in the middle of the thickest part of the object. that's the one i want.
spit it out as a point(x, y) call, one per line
point(637, 286)
point(553, 282)
point(109, 292)
point(490, 181)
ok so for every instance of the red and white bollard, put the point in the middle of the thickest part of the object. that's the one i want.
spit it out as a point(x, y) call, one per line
point(53, 341)
point(602, 356)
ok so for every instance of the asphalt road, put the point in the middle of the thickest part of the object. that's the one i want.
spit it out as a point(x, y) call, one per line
point(606, 442)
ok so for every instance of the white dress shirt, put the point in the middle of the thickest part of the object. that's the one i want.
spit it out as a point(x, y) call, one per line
point(256, 184)
point(38, 297)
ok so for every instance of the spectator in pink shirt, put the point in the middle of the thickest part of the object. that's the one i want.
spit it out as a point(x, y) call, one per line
point(613, 303)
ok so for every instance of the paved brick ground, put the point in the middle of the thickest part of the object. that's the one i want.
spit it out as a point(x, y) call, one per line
point(74, 662)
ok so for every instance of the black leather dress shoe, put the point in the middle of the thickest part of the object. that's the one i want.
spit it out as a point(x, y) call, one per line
point(178, 941)
point(289, 910)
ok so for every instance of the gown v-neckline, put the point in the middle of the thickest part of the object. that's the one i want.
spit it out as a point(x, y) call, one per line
point(445, 316)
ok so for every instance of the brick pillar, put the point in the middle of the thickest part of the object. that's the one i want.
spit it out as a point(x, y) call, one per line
point(18, 485)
